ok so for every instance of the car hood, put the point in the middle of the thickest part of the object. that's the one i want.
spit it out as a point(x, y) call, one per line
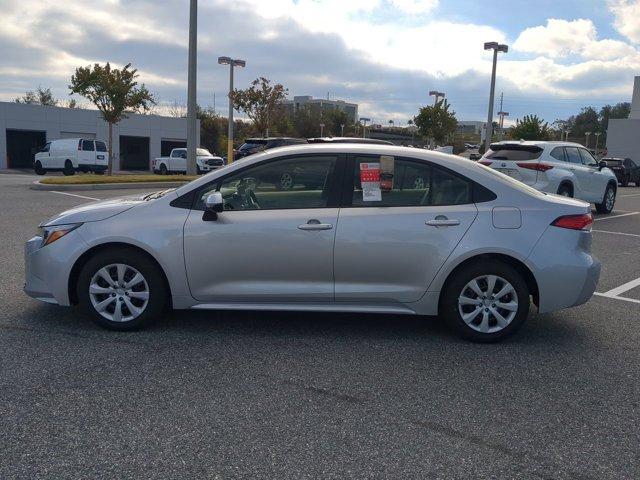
point(95, 211)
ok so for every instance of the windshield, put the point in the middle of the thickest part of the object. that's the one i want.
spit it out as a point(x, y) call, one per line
point(203, 152)
point(154, 195)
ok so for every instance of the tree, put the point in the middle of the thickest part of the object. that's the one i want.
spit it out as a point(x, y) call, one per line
point(586, 121)
point(619, 110)
point(260, 102)
point(531, 127)
point(436, 121)
point(42, 96)
point(306, 121)
point(113, 92)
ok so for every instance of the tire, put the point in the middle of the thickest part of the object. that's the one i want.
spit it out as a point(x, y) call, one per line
point(608, 201)
point(285, 182)
point(484, 326)
point(39, 169)
point(149, 294)
point(163, 169)
point(68, 168)
point(565, 190)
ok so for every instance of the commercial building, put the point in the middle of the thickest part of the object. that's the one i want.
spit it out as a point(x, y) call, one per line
point(623, 134)
point(470, 126)
point(322, 105)
point(24, 129)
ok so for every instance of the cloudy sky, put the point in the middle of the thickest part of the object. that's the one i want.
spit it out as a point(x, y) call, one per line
point(383, 54)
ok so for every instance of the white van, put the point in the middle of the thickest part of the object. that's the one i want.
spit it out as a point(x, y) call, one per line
point(70, 155)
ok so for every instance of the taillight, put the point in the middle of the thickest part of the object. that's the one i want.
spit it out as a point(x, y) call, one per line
point(485, 162)
point(540, 167)
point(574, 222)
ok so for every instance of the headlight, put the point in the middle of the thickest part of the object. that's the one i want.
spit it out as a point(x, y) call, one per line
point(56, 232)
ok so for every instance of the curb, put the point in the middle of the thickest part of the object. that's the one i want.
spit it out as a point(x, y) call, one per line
point(36, 185)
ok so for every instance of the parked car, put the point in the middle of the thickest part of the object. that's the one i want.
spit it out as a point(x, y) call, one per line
point(371, 141)
point(469, 244)
point(71, 155)
point(563, 168)
point(256, 145)
point(176, 162)
point(626, 170)
point(474, 156)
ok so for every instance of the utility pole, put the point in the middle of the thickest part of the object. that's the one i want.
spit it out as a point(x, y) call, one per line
point(502, 114)
point(192, 134)
point(342, 129)
point(597, 138)
point(496, 47)
point(586, 143)
point(321, 130)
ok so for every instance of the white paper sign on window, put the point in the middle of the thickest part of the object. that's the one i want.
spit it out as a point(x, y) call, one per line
point(370, 181)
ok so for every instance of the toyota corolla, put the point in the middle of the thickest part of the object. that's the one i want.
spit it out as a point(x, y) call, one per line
point(465, 242)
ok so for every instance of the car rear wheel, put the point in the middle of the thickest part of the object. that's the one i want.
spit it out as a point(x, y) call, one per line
point(68, 168)
point(163, 169)
point(121, 289)
point(38, 168)
point(565, 190)
point(486, 301)
point(609, 200)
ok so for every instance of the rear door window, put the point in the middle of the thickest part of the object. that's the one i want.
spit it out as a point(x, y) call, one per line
point(101, 147)
point(87, 145)
point(573, 155)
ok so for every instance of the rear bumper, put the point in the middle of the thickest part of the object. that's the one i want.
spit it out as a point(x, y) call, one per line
point(566, 273)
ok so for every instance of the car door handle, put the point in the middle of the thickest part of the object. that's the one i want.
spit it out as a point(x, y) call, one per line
point(315, 225)
point(442, 222)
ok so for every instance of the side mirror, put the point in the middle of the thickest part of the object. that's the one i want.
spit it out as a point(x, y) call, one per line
point(214, 202)
point(602, 164)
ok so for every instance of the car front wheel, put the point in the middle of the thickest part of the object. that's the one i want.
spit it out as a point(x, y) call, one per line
point(121, 289)
point(39, 169)
point(486, 301)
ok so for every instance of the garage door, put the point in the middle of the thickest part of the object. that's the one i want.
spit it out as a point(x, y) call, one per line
point(22, 145)
point(134, 153)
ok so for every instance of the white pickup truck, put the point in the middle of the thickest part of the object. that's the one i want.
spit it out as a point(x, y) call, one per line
point(177, 162)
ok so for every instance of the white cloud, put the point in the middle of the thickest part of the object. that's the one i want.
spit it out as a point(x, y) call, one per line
point(627, 18)
point(415, 6)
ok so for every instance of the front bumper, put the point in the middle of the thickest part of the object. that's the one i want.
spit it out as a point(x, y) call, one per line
point(47, 269)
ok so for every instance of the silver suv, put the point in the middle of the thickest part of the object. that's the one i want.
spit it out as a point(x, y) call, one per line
point(563, 168)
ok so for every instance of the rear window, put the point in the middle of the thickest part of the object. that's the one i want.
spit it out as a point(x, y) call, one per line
point(87, 145)
point(203, 152)
point(101, 147)
point(612, 163)
point(513, 152)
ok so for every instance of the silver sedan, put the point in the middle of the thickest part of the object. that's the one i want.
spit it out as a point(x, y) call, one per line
point(356, 228)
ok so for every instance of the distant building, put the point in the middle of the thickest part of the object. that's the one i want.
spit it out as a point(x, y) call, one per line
point(322, 105)
point(24, 129)
point(469, 127)
point(623, 134)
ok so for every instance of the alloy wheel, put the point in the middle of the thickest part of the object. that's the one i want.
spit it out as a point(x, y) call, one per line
point(488, 303)
point(119, 292)
point(610, 199)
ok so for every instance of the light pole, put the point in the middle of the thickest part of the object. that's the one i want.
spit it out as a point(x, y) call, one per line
point(321, 130)
point(342, 129)
point(496, 47)
point(436, 94)
point(586, 143)
point(502, 114)
point(192, 123)
point(232, 63)
point(364, 121)
point(597, 138)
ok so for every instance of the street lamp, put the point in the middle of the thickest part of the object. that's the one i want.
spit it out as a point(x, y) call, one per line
point(496, 47)
point(502, 114)
point(342, 129)
point(586, 143)
point(232, 63)
point(321, 130)
point(364, 121)
point(436, 95)
point(597, 138)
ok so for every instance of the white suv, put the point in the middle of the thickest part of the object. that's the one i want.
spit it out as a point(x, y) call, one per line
point(563, 168)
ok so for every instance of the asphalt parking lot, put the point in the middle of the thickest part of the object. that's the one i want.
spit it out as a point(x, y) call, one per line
point(297, 395)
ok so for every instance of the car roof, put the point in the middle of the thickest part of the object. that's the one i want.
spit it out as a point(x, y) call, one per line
point(539, 143)
point(349, 140)
point(268, 139)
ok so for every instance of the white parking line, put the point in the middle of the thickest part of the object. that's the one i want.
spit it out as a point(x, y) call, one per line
point(632, 195)
point(74, 195)
point(614, 292)
point(617, 233)
point(615, 216)
point(625, 299)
